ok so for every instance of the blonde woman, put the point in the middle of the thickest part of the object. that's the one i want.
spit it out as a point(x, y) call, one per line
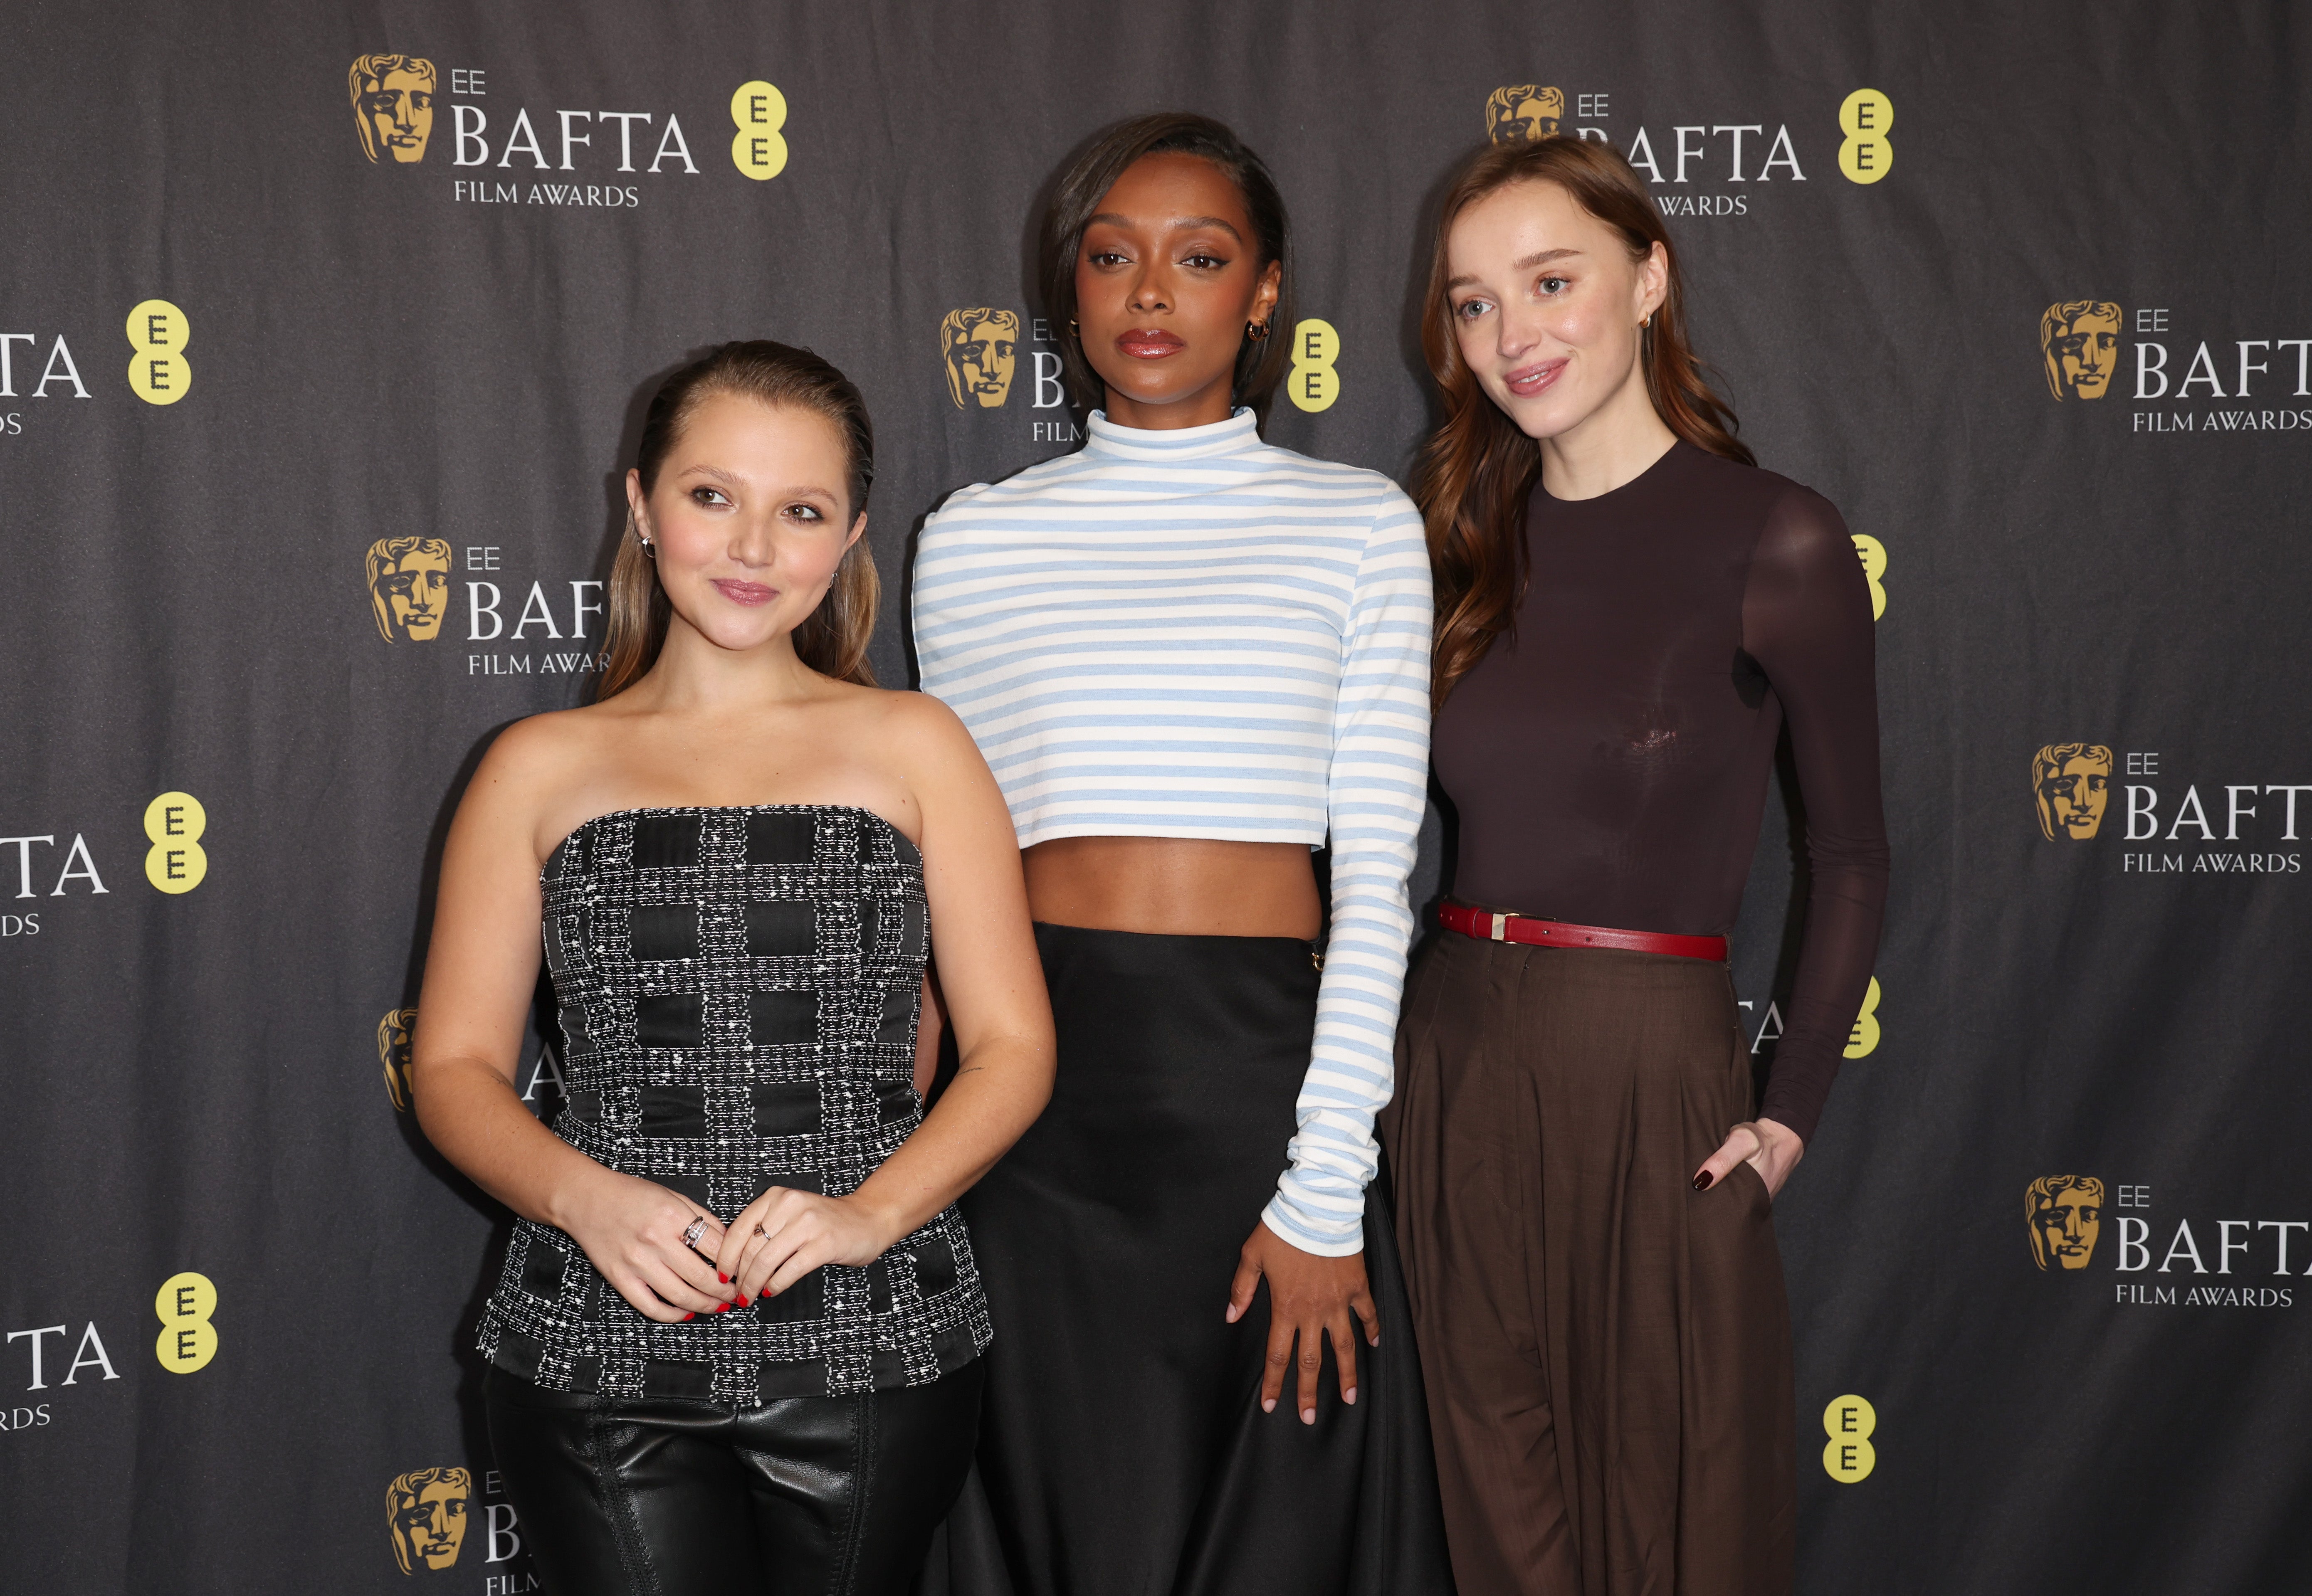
point(735, 1343)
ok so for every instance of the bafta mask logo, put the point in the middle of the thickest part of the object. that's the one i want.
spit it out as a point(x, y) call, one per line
point(393, 106)
point(427, 1510)
point(980, 346)
point(2079, 340)
point(1520, 113)
point(408, 587)
point(393, 1053)
point(2064, 1212)
point(2070, 783)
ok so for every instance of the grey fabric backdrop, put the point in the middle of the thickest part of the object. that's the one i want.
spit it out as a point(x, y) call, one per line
point(455, 348)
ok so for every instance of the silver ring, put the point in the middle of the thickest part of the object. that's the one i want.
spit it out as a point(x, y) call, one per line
point(762, 1233)
point(697, 1229)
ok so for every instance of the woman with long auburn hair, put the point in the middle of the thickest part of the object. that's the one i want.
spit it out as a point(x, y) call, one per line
point(1629, 613)
point(735, 1342)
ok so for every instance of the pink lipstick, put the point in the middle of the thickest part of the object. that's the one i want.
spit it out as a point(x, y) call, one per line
point(750, 593)
point(1527, 381)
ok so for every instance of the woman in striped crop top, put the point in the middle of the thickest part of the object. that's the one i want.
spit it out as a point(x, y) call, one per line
point(1191, 658)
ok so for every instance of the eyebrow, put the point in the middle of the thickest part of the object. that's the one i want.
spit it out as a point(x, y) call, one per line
point(734, 480)
point(1526, 265)
point(1114, 220)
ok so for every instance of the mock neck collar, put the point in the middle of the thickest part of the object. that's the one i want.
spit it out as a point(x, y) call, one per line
point(1239, 434)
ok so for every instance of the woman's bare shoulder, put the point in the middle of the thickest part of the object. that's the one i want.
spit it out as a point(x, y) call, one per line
point(917, 724)
point(532, 764)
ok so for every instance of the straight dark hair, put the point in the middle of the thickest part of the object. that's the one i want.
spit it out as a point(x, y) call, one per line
point(1478, 469)
point(832, 639)
point(1260, 364)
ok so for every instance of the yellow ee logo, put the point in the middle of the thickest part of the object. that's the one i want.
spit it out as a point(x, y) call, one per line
point(1863, 1040)
point(1874, 569)
point(158, 373)
point(184, 1304)
point(1314, 385)
point(759, 149)
point(176, 862)
point(1868, 154)
point(1850, 1457)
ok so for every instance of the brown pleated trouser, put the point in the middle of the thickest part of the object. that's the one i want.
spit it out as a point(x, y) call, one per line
point(1607, 1350)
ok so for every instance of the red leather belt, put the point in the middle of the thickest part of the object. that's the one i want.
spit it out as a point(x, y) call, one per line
point(1552, 933)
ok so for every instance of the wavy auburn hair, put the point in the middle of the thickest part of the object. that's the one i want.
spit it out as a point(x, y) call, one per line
point(832, 639)
point(1478, 469)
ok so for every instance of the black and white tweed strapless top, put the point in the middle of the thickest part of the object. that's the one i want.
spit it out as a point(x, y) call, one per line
point(738, 991)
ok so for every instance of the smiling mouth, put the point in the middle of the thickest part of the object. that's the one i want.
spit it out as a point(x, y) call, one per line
point(750, 593)
point(1527, 381)
point(1146, 344)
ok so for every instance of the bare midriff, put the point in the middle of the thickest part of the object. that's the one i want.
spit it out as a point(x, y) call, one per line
point(1175, 886)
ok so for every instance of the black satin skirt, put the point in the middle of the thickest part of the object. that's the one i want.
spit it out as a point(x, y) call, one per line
point(666, 1496)
point(1123, 1450)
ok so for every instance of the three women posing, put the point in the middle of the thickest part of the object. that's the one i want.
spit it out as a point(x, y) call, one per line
point(739, 1336)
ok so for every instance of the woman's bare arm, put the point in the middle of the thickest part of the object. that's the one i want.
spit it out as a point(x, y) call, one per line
point(481, 972)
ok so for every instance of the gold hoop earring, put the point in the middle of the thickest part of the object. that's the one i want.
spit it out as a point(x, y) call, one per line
point(1648, 320)
point(1256, 331)
point(1072, 331)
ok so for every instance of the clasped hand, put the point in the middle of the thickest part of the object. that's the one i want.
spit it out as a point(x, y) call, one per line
point(1310, 1297)
point(632, 1231)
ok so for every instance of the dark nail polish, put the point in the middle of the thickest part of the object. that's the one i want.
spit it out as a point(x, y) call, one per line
point(1701, 1181)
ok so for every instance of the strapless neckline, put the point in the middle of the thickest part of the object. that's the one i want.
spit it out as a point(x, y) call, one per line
point(594, 820)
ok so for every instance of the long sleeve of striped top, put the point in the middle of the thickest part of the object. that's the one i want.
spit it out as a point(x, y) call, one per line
point(1194, 634)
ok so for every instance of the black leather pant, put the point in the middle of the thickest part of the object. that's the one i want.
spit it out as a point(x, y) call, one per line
point(658, 1496)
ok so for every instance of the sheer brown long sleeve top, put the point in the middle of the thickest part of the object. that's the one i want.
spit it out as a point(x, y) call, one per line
point(1609, 762)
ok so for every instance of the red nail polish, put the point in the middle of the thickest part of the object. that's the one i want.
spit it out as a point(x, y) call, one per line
point(690, 1315)
point(740, 1304)
point(720, 1276)
point(1701, 1181)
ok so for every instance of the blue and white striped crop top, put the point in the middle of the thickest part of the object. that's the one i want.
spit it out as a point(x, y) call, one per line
point(1194, 634)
